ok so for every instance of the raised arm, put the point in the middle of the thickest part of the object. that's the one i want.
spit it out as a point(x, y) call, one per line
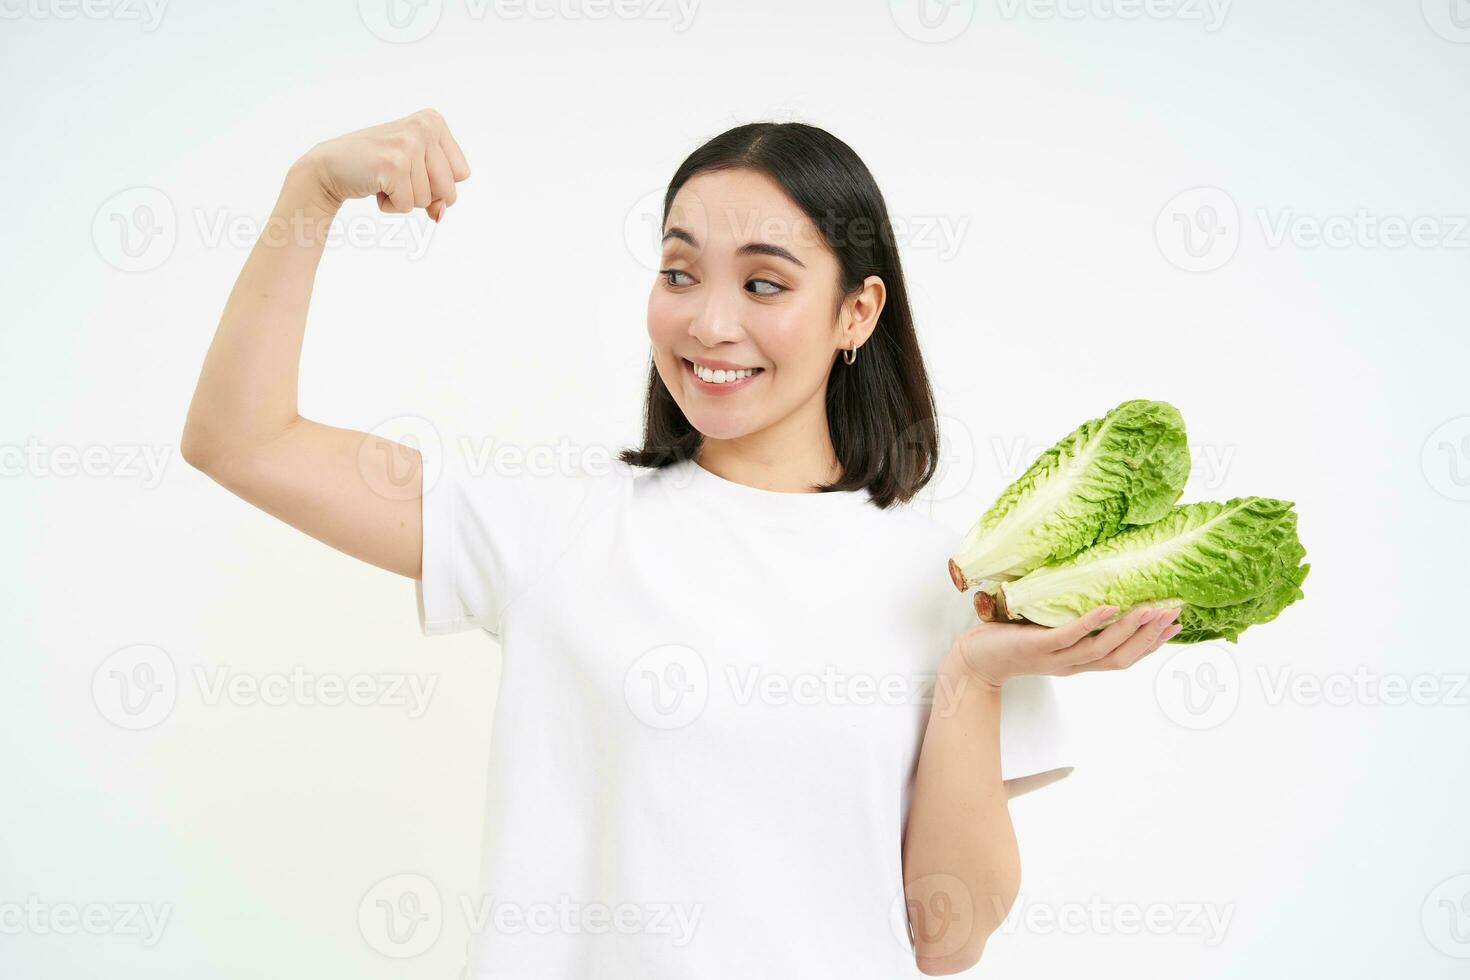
point(357, 492)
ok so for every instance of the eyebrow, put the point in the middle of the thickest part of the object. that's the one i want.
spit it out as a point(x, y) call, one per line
point(749, 248)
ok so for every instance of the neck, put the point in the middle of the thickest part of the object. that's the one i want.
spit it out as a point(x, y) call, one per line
point(790, 456)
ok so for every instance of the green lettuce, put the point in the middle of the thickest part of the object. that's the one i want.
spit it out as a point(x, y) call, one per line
point(1125, 468)
point(1225, 566)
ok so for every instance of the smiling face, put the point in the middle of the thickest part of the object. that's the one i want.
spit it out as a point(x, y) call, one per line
point(747, 283)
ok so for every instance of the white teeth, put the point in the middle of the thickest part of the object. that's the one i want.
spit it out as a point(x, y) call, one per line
point(721, 376)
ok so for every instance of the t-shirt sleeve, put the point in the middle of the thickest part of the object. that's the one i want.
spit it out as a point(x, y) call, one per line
point(1034, 750)
point(488, 535)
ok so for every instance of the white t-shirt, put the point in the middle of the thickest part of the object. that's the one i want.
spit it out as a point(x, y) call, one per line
point(711, 704)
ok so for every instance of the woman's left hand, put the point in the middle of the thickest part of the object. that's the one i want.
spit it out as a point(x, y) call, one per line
point(994, 652)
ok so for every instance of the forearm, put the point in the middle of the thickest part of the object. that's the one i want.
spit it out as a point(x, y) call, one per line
point(961, 865)
point(247, 388)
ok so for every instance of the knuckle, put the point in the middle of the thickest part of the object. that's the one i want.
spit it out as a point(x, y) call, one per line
point(396, 159)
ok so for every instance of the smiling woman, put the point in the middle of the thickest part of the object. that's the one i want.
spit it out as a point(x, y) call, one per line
point(662, 750)
point(777, 255)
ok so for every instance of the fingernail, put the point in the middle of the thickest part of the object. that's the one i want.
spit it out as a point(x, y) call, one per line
point(1172, 632)
point(1147, 616)
point(1106, 612)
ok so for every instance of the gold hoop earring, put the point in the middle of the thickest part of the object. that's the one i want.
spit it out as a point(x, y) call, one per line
point(849, 360)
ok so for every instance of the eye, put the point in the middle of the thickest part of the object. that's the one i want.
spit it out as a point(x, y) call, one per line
point(666, 273)
point(775, 289)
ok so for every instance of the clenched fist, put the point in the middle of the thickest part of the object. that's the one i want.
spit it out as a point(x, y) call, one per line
point(409, 163)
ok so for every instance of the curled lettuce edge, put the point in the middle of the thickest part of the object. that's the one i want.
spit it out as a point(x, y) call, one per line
point(1225, 566)
point(1125, 468)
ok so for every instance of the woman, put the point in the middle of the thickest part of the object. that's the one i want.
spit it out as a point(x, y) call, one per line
point(746, 727)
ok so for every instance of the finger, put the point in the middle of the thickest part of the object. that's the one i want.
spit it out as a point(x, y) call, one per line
point(397, 193)
point(1069, 633)
point(458, 165)
point(1169, 633)
point(1164, 637)
point(1095, 647)
point(441, 181)
point(1141, 643)
point(419, 176)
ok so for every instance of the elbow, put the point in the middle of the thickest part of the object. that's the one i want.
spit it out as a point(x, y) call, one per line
point(952, 937)
point(959, 960)
point(195, 449)
point(954, 946)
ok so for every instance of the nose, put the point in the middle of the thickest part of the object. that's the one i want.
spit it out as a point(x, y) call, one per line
point(718, 320)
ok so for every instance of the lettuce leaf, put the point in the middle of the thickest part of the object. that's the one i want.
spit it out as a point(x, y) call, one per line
point(1125, 468)
point(1227, 566)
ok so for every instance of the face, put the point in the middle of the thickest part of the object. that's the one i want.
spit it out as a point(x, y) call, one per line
point(747, 284)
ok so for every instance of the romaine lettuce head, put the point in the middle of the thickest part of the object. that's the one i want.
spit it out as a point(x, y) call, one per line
point(1225, 565)
point(1125, 468)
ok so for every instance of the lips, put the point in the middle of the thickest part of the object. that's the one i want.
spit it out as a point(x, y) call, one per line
point(720, 387)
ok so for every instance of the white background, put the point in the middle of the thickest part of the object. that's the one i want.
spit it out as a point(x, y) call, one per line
point(1033, 157)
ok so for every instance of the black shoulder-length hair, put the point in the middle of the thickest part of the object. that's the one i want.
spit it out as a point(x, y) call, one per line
point(880, 409)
